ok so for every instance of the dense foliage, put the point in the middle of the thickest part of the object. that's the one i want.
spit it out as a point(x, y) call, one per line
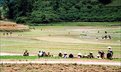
point(46, 11)
point(105, 1)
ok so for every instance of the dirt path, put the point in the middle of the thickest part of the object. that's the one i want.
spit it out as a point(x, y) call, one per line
point(62, 62)
point(12, 54)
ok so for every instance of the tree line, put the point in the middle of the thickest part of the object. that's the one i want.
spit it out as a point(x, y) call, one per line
point(46, 11)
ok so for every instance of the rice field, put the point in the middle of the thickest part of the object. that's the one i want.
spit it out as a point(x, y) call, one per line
point(70, 39)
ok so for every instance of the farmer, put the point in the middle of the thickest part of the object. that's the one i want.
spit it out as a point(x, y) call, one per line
point(26, 53)
point(65, 55)
point(110, 53)
point(71, 55)
point(85, 56)
point(44, 53)
point(7, 33)
point(105, 36)
point(106, 32)
point(99, 54)
point(91, 55)
point(109, 36)
point(102, 54)
point(79, 55)
point(60, 54)
point(40, 54)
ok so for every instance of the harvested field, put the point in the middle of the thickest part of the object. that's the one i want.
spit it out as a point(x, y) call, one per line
point(57, 68)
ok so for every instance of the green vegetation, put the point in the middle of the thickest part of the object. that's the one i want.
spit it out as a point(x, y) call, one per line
point(57, 58)
point(115, 3)
point(57, 38)
point(48, 11)
point(28, 57)
point(80, 24)
point(18, 57)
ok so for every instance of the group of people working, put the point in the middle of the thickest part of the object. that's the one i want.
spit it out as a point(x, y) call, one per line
point(101, 54)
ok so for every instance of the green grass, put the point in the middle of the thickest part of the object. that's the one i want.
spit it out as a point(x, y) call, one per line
point(18, 57)
point(53, 58)
point(28, 57)
point(83, 24)
point(20, 41)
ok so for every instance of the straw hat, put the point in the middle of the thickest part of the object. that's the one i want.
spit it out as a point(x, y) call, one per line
point(79, 54)
point(91, 52)
point(109, 47)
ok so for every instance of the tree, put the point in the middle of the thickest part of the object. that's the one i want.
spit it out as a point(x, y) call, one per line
point(105, 1)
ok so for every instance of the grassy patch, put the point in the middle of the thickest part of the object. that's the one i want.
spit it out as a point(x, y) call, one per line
point(63, 38)
point(83, 24)
point(18, 57)
point(53, 58)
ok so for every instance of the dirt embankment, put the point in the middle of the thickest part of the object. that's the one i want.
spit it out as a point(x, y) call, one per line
point(11, 26)
point(57, 68)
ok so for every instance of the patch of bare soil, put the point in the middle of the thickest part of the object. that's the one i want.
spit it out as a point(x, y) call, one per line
point(57, 68)
point(5, 25)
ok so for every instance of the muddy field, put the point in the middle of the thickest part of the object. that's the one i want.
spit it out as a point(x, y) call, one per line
point(57, 68)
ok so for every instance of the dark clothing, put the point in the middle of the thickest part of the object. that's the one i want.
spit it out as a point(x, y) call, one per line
point(109, 56)
point(71, 56)
point(109, 36)
point(110, 51)
point(91, 55)
point(102, 54)
point(60, 54)
point(106, 32)
point(26, 54)
point(65, 55)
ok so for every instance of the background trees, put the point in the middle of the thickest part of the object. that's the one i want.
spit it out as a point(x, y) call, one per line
point(46, 11)
point(105, 1)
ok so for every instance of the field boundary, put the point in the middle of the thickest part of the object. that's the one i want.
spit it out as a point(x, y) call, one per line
point(62, 62)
